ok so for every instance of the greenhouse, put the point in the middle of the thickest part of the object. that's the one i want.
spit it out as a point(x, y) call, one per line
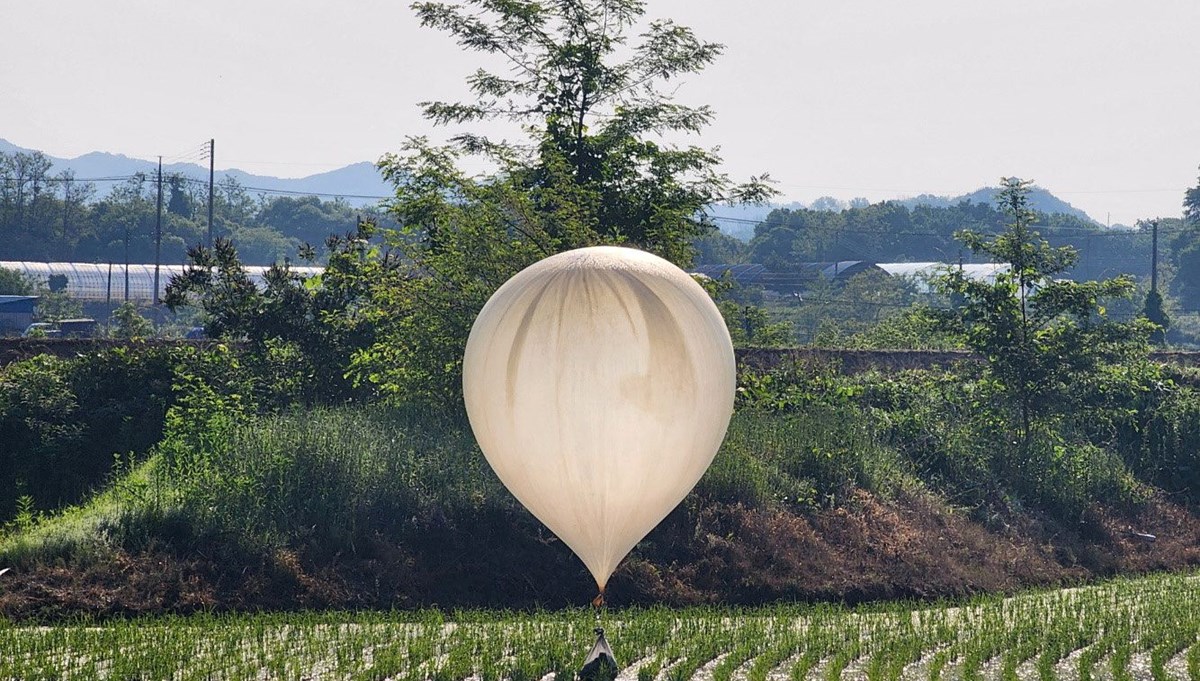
point(117, 282)
point(922, 273)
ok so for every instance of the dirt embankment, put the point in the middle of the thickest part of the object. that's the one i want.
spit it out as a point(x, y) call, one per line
point(865, 549)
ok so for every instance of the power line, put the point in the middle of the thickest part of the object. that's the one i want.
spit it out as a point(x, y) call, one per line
point(294, 192)
point(113, 178)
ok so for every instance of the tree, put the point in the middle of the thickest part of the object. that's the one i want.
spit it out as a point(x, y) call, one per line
point(127, 322)
point(307, 219)
point(180, 202)
point(1045, 339)
point(593, 169)
point(1154, 312)
point(1191, 205)
point(55, 305)
point(827, 204)
point(232, 204)
point(718, 248)
point(15, 283)
point(592, 120)
point(312, 325)
point(75, 195)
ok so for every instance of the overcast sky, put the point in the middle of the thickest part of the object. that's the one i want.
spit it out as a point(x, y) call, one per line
point(1096, 100)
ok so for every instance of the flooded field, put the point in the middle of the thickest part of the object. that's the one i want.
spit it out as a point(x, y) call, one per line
point(1143, 628)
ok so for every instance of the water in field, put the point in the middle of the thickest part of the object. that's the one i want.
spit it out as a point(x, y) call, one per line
point(1129, 629)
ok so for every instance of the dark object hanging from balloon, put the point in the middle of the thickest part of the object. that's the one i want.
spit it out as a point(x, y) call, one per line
point(600, 664)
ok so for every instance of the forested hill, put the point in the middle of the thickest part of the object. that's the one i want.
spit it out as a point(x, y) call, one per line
point(894, 232)
point(357, 183)
point(1039, 199)
point(739, 221)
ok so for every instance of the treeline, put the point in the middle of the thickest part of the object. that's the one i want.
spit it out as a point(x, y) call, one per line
point(892, 232)
point(55, 217)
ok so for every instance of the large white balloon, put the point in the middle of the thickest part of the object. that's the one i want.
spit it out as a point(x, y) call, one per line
point(599, 383)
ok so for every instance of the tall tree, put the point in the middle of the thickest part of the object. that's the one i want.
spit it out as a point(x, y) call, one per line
point(180, 202)
point(1191, 205)
point(1045, 339)
point(593, 167)
point(595, 121)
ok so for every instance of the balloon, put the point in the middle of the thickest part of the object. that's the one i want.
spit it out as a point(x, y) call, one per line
point(599, 383)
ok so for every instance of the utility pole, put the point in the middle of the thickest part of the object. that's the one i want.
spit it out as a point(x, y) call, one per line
point(1154, 255)
point(158, 232)
point(127, 261)
point(212, 144)
point(66, 203)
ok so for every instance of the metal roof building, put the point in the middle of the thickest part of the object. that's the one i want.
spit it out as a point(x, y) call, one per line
point(16, 313)
point(105, 282)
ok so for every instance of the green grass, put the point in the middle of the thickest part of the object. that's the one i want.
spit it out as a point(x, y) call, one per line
point(332, 477)
point(1109, 622)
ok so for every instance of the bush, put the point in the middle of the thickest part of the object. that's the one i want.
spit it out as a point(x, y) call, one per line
point(62, 421)
point(949, 431)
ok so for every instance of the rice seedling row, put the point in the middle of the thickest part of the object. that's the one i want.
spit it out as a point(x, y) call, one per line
point(1126, 629)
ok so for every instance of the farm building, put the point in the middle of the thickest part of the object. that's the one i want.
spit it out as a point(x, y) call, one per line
point(16, 313)
point(116, 282)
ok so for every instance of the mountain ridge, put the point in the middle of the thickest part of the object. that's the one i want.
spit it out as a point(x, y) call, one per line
point(358, 183)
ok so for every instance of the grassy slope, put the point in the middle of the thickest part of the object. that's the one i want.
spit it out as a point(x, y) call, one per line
point(376, 508)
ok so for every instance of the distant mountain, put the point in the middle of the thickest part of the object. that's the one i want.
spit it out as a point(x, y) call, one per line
point(1039, 199)
point(359, 183)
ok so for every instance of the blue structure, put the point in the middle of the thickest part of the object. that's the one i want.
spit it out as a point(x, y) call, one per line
point(16, 313)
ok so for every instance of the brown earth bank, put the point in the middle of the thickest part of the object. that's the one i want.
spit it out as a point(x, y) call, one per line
point(864, 549)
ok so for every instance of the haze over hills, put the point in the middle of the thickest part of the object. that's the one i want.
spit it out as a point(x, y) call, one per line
point(360, 184)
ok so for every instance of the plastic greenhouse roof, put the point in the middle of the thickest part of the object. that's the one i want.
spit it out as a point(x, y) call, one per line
point(106, 281)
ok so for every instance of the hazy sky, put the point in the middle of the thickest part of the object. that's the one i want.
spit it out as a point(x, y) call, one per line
point(1096, 100)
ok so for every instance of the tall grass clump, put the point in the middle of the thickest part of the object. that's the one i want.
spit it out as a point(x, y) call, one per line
point(327, 476)
point(802, 458)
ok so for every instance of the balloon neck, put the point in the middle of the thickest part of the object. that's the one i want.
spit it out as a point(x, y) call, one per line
point(598, 601)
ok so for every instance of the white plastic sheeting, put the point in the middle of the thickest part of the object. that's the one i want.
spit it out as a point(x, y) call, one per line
point(923, 272)
point(106, 282)
point(599, 383)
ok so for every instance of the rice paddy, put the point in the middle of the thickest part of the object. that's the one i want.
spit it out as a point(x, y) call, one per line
point(1145, 628)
